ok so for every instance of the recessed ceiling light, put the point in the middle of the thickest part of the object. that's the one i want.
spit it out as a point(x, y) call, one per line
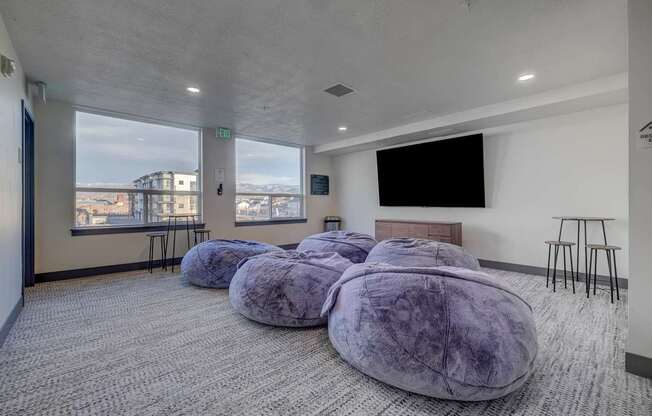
point(140, 139)
point(526, 77)
point(342, 128)
point(193, 90)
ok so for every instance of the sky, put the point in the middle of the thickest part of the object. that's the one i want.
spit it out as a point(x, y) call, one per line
point(112, 151)
point(260, 163)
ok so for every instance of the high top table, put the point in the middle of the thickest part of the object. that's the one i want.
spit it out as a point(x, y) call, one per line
point(175, 217)
point(583, 220)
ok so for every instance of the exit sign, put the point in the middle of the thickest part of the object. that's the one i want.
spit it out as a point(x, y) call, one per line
point(224, 133)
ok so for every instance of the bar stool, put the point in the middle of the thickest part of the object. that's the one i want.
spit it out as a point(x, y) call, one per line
point(564, 245)
point(203, 235)
point(152, 243)
point(593, 258)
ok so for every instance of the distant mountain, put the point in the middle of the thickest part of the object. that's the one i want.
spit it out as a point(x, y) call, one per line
point(268, 189)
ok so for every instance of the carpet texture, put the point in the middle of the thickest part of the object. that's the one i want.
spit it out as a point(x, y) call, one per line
point(140, 344)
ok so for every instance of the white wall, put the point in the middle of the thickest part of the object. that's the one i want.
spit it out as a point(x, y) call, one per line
point(640, 179)
point(57, 250)
point(12, 90)
point(569, 165)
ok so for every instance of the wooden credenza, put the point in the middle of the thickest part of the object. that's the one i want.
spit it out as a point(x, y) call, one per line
point(446, 232)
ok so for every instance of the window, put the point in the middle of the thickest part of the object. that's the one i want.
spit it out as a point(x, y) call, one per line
point(269, 181)
point(126, 171)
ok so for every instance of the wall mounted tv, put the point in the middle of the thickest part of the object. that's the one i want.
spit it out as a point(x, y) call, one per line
point(443, 173)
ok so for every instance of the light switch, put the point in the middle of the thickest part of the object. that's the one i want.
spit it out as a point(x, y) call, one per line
point(219, 175)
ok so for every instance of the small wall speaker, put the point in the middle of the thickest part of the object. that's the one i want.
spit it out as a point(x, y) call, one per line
point(7, 66)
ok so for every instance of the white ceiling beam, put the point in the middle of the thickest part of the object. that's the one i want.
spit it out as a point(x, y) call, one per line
point(597, 93)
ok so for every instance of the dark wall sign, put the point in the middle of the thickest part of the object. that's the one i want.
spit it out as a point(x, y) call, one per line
point(319, 185)
point(646, 135)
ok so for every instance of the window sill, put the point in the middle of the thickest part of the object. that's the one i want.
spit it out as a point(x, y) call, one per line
point(128, 229)
point(270, 222)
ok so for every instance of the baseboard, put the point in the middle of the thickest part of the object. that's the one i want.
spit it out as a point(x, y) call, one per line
point(142, 265)
point(638, 364)
point(541, 271)
point(10, 321)
point(94, 271)
point(115, 268)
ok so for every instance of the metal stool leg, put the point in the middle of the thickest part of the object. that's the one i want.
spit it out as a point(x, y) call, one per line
point(587, 266)
point(194, 229)
point(554, 271)
point(548, 269)
point(563, 249)
point(167, 240)
point(151, 254)
point(570, 254)
point(162, 254)
point(577, 274)
point(588, 274)
point(174, 242)
point(595, 272)
point(188, 231)
point(611, 282)
point(616, 276)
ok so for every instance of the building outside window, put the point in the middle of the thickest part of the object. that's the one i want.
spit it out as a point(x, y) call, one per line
point(134, 173)
point(269, 181)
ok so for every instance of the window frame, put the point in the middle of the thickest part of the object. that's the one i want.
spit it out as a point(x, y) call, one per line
point(303, 216)
point(142, 226)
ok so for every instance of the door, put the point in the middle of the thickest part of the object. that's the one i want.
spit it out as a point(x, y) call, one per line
point(28, 198)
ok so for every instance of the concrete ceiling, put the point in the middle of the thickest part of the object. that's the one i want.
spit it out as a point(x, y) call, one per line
point(262, 64)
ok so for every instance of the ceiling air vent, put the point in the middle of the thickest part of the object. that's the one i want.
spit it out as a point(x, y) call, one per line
point(338, 90)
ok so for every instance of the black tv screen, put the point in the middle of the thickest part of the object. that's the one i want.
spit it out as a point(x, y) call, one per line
point(443, 173)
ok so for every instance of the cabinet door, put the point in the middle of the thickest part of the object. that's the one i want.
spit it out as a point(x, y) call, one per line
point(418, 230)
point(383, 231)
point(400, 229)
point(443, 230)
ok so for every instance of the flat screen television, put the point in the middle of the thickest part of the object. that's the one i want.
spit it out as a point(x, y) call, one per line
point(443, 173)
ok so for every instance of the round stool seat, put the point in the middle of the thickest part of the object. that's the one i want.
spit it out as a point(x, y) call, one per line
point(560, 243)
point(603, 247)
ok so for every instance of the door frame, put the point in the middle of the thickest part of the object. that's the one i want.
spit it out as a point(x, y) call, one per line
point(28, 195)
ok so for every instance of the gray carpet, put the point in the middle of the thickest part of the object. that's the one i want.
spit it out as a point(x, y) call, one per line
point(142, 344)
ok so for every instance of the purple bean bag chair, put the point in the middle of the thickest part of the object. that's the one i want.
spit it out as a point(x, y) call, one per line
point(286, 288)
point(416, 252)
point(214, 262)
point(444, 332)
point(353, 246)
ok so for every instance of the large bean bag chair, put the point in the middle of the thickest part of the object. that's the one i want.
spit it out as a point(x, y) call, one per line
point(353, 246)
point(416, 252)
point(286, 288)
point(444, 332)
point(214, 262)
